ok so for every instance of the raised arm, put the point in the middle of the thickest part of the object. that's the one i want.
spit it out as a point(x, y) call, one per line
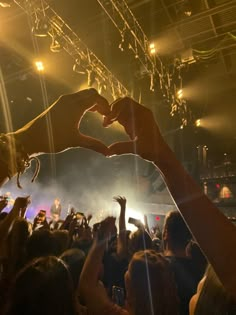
point(215, 234)
point(91, 289)
point(122, 250)
point(54, 130)
point(17, 210)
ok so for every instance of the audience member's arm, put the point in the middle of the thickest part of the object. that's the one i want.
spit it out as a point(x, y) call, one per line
point(122, 249)
point(146, 223)
point(18, 208)
point(91, 289)
point(54, 130)
point(215, 234)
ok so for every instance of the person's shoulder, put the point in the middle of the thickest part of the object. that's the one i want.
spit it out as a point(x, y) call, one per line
point(113, 309)
point(179, 260)
point(181, 264)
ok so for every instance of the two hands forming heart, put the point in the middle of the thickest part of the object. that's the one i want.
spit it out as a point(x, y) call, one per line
point(64, 117)
point(62, 120)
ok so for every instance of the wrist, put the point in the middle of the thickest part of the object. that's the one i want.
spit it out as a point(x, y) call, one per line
point(27, 141)
point(14, 157)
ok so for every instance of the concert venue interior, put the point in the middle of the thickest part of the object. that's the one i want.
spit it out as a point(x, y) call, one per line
point(177, 57)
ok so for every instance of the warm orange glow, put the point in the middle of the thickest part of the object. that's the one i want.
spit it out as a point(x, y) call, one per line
point(39, 65)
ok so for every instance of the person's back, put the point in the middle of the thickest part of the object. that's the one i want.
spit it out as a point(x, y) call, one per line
point(186, 280)
point(176, 236)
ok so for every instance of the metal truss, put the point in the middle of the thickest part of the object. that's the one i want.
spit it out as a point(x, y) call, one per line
point(64, 37)
point(132, 34)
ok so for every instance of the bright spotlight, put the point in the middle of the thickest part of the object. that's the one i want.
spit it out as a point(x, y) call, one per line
point(39, 66)
point(152, 48)
point(180, 93)
point(198, 123)
point(5, 4)
point(152, 51)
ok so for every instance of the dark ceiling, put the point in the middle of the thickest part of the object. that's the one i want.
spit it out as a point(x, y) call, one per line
point(205, 29)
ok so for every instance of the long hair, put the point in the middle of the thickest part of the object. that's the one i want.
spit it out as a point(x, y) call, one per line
point(213, 298)
point(44, 287)
point(152, 286)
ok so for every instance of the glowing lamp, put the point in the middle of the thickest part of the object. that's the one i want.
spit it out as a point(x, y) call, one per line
point(39, 66)
point(198, 123)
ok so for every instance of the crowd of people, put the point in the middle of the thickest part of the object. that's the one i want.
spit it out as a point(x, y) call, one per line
point(76, 268)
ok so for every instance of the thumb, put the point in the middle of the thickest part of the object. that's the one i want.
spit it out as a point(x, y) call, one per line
point(92, 144)
point(125, 147)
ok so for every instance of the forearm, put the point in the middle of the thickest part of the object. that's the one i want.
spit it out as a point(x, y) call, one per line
point(122, 224)
point(4, 228)
point(91, 269)
point(121, 241)
point(215, 234)
point(16, 146)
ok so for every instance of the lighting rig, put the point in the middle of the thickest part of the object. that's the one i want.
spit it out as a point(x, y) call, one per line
point(134, 39)
point(48, 23)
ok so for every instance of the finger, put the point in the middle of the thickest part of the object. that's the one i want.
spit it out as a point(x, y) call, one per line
point(85, 100)
point(102, 106)
point(91, 100)
point(116, 109)
point(92, 144)
point(119, 148)
point(124, 108)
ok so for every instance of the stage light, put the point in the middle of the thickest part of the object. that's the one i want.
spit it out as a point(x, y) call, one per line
point(180, 94)
point(152, 48)
point(198, 123)
point(152, 45)
point(39, 66)
point(152, 51)
point(5, 5)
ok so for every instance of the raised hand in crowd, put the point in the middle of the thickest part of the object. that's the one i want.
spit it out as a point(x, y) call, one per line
point(121, 201)
point(18, 210)
point(54, 130)
point(91, 290)
point(122, 244)
point(207, 223)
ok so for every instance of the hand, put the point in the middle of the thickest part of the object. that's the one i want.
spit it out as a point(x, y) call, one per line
point(106, 227)
point(121, 201)
point(89, 218)
point(20, 206)
point(57, 128)
point(139, 123)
